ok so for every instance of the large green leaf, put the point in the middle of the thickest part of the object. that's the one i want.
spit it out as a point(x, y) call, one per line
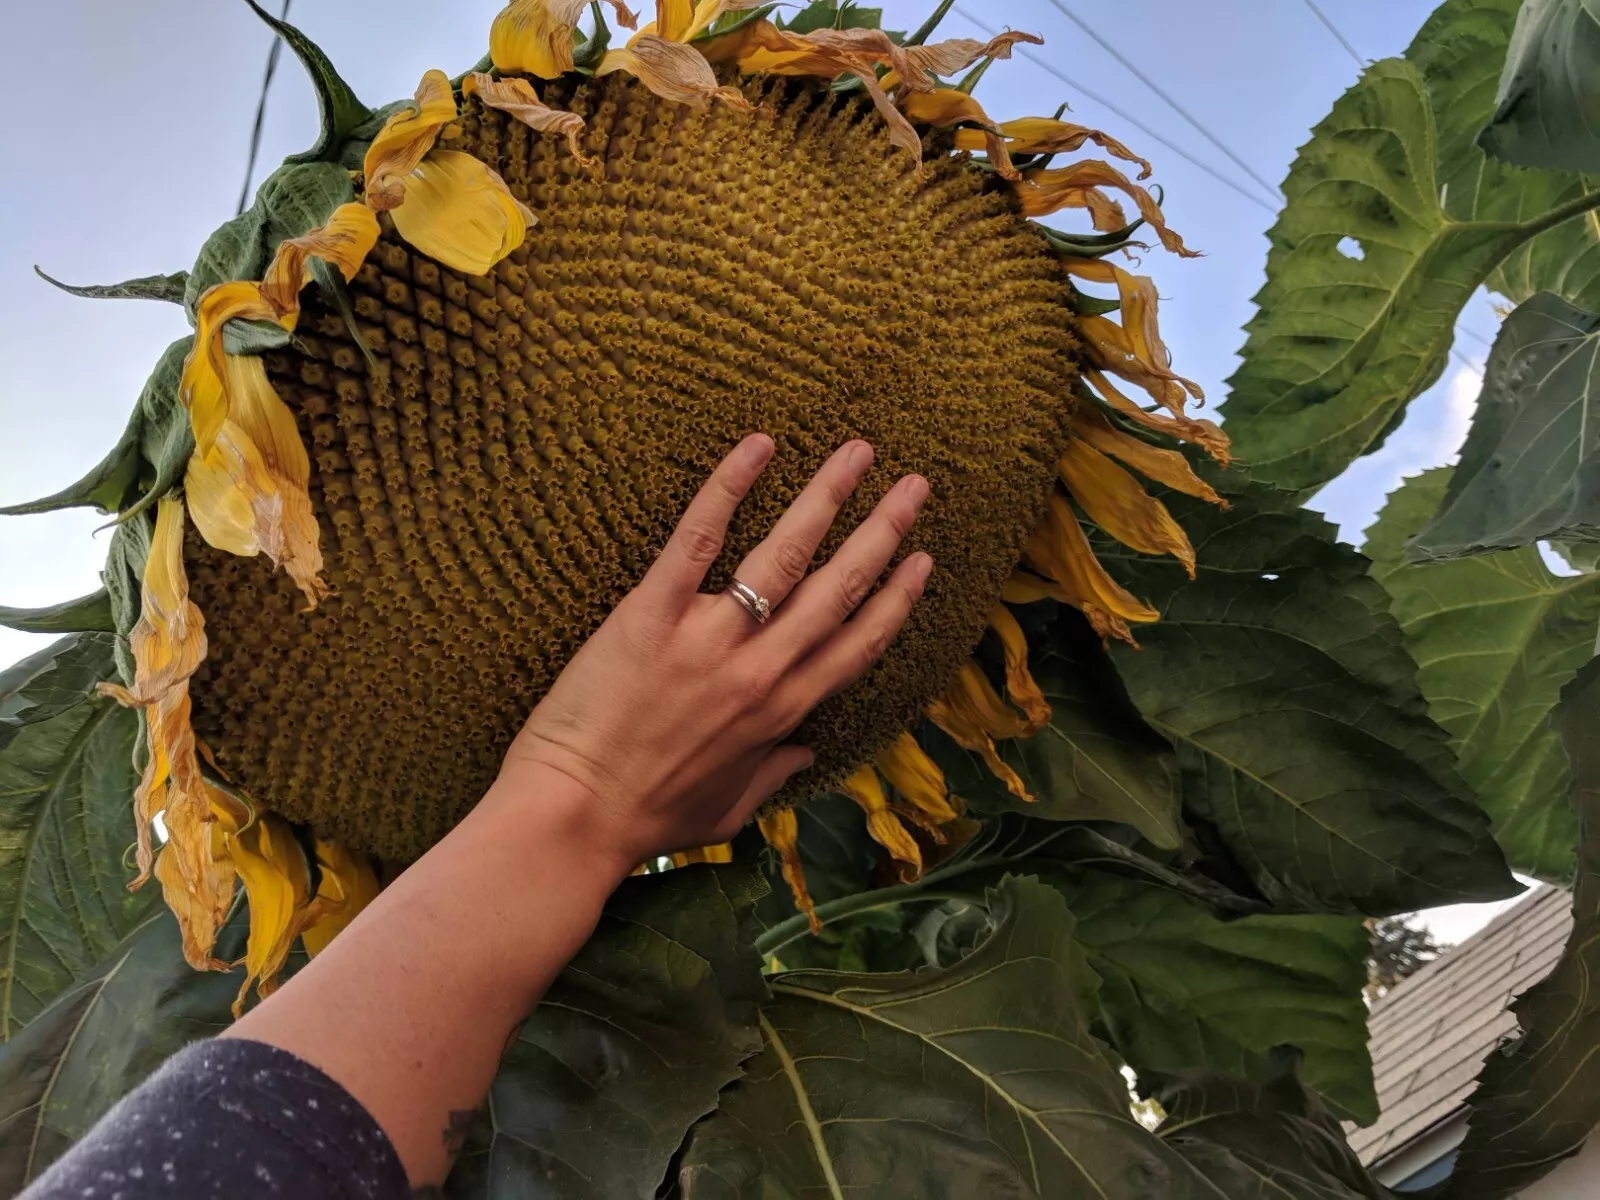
point(1267, 1141)
point(1181, 989)
point(1096, 760)
point(86, 614)
point(1303, 742)
point(101, 1038)
point(1365, 277)
point(1547, 110)
point(1460, 51)
point(981, 1079)
point(629, 1047)
point(1538, 1097)
point(1529, 464)
point(1496, 637)
point(66, 822)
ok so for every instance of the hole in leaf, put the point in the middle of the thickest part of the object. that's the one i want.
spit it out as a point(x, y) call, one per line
point(1350, 248)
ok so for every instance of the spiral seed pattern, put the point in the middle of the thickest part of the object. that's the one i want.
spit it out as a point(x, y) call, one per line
point(527, 439)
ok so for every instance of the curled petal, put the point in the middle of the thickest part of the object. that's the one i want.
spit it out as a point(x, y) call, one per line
point(517, 98)
point(343, 243)
point(949, 106)
point(781, 829)
point(1047, 135)
point(972, 713)
point(460, 212)
point(1060, 552)
point(1094, 428)
point(1043, 192)
point(722, 853)
point(201, 909)
point(956, 54)
point(534, 37)
point(863, 787)
point(406, 138)
point(1206, 434)
point(347, 885)
point(273, 869)
point(672, 70)
point(920, 783)
point(1114, 500)
point(1020, 685)
point(201, 387)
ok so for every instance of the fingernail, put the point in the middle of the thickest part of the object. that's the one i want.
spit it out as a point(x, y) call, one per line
point(916, 489)
point(861, 455)
point(757, 449)
point(921, 567)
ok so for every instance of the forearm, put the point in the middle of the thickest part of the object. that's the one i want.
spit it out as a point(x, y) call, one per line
point(411, 1007)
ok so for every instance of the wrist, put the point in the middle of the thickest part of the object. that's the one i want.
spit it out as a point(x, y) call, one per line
point(552, 816)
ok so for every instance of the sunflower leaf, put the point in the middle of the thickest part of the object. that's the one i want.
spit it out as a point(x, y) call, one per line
point(1547, 104)
point(1496, 637)
point(978, 1079)
point(341, 110)
point(1304, 745)
point(1529, 461)
point(66, 772)
point(86, 614)
point(1365, 277)
point(1271, 1140)
point(147, 287)
point(1182, 989)
point(1535, 1103)
point(630, 1046)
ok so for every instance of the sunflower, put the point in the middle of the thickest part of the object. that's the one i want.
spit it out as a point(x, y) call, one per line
point(456, 372)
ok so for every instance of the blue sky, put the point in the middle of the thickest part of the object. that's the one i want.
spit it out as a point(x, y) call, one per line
point(134, 143)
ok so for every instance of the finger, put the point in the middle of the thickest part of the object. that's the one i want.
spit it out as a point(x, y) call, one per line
point(831, 593)
point(784, 556)
point(771, 775)
point(677, 574)
point(855, 646)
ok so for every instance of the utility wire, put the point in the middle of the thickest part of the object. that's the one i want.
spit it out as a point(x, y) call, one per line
point(1045, 65)
point(261, 112)
point(1334, 29)
point(1061, 7)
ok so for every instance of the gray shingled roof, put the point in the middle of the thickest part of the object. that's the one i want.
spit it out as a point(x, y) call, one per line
point(1431, 1032)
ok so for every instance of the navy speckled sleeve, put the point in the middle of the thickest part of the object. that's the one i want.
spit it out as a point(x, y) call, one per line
point(231, 1118)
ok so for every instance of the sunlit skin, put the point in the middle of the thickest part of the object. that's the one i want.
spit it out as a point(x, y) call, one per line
point(411, 1007)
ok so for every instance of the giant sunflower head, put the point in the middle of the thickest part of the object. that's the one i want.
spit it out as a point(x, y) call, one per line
point(460, 367)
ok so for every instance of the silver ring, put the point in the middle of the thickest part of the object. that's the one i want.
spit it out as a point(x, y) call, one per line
point(750, 600)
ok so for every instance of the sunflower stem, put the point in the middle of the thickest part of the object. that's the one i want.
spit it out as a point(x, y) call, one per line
point(925, 30)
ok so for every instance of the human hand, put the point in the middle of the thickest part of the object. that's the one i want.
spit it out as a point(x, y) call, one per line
point(671, 719)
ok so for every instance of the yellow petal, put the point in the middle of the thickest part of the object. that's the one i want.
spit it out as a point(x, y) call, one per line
point(1020, 685)
point(348, 884)
point(1114, 500)
point(1044, 191)
point(920, 782)
point(1047, 135)
point(200, 910)
point(201, 387)
point(950, 106)
point(972, 713)
point(460, 212)
point(406, 137)
point(863, 787)
point(672, 70)
point(1094, 428)
point(706, 14)
point(343, 243)
point(1206, 434)
point(781, 829)
point(517, 97)
point(278, 883)
point(534, 37)
point(722, 853)
point(673, 18)
point(1060, 552)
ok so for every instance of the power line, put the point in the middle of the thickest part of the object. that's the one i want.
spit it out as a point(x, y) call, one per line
point(1334, 29)
point(1060, 6)
point(1043, 65)
point(261, 112)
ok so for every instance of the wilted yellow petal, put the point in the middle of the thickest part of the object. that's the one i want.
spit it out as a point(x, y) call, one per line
point(534, 37)
point(1047, 135)
point(673, 18)
point(672, 70)
point(348, 884)
point(517, 97)
point(1114, 500)
point(1060, 552)
point(957, 54)
point(950, 106)
point(920, 782)
point(863, 787)
point(1045, 191)
point(722, 853)
point(406, 137)
point(1095, 429)
point(1206, 434)
point(781, 830)
point(972, 713)
point(1024, 587)
point(200, 910)
point(460, 212)
point(1020, 685)
point(201, 387)
point(706, 14)
point(273, 869)
point(343, 243)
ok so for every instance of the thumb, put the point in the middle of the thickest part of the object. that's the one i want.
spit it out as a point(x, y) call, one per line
point(774, 771)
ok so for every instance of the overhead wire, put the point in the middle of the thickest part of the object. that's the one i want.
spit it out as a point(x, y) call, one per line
point(261, 112)
point(1334, 29)
point(1061, 7)
point(1248, 193)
